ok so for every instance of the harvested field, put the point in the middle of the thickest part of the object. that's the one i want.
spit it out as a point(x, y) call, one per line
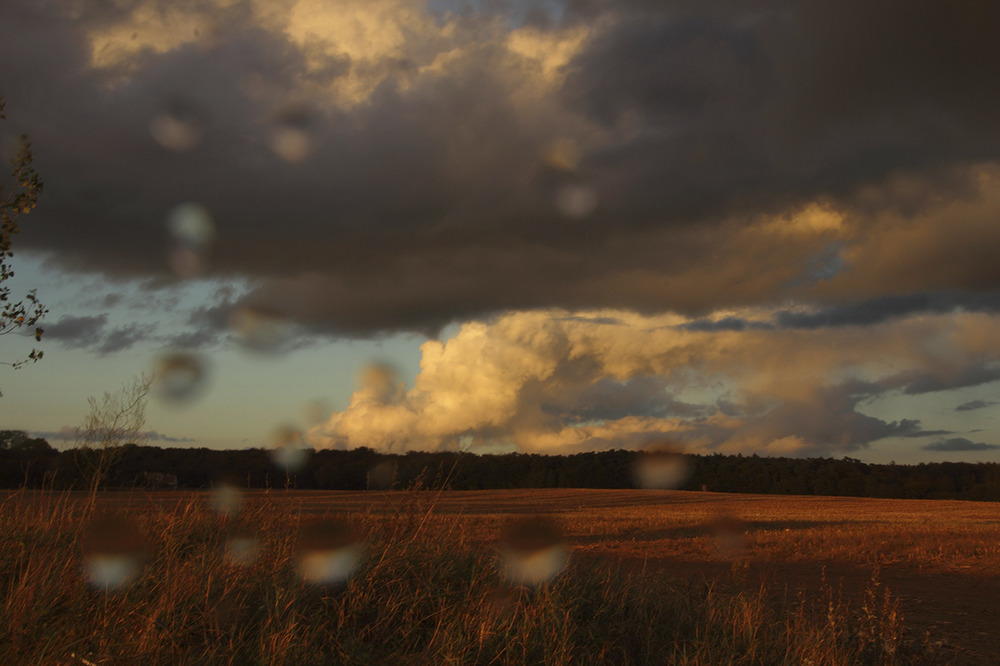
point(940, 560)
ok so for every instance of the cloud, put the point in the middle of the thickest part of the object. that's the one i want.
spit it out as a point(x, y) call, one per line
point(382, 166)
point(68, 434)
point(960, 444)
point(154, 436)
point(547, 381)
point(975, 404)
point(725, 324)
point(974, 374)
point(91, 332)
point(77, 331)
point(64, 434)
point(125, 337)
point(877, 310)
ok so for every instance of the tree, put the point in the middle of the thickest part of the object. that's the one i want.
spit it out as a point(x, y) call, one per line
point(15, 200)
point(24, 460)
point(113, 421)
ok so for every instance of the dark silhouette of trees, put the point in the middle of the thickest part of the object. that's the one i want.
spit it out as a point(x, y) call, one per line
point(24, 460)
point(32, 462)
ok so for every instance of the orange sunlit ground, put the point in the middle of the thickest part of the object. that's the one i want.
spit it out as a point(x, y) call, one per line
point(940, 560)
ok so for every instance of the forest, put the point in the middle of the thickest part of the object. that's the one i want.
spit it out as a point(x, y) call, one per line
point(33, 463)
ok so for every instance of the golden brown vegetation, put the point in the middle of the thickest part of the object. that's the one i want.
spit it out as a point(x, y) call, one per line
point(233, 588)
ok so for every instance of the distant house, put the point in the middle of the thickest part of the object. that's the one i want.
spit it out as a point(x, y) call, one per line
point(159, 480)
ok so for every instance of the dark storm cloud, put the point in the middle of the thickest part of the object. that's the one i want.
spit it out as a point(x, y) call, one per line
point(154, 436)
point(960, 444)
point(725, 324)
point(198, 339)
point(125, 337)
point(975, 404)
point(77, 331)
point(429, 201)
point(878, 310)
point(926, 433)
point(971, 375)
point(91, 332)
point(828, 419)
point(613, 399)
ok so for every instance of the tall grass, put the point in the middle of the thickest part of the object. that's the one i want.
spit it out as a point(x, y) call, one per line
point(423, 594)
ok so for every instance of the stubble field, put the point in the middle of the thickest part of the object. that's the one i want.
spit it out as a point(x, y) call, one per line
point(532, 576)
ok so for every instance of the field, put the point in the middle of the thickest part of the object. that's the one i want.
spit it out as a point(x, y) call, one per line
point(534, 576)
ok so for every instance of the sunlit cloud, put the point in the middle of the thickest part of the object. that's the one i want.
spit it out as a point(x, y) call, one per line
point(544, 381)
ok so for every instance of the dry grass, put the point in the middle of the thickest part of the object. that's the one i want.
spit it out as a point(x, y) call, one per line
point(430, 588)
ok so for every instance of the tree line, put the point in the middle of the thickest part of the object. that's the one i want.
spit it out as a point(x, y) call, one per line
point(32, 462)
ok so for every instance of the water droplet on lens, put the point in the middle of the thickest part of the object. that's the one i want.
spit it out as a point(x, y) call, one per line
point(379, 382)
point(193, 231)
point(179, 378)
point(191, 224)
point(226, 497)
point(563, 154)
point(186, 263)
point(576, 201)
point(290, 144)
point(114, 553)
point(382, 475)
point(242, 548)
point(290, 139)
point(179, 128)
point(729, 536)
point(328, 552)
point(533, 551)
point(288, 450)
point(316, 412)
point(258, 329)
point(661, 468)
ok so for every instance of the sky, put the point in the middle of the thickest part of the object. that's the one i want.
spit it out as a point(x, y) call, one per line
point(556, 226)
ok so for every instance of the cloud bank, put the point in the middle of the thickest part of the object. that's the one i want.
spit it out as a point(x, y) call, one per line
point(393, 165)
point(548, 382)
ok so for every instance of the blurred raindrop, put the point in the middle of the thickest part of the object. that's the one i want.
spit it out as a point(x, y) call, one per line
point(193, 231)
point(191, 224)
point(179, 128)
point(382, 475)
point(729, 536)
point(290, 138)
point(288, 449)
point(500, 603)
point(226, 497)
point(242, 548)
point(379, 381)
point(576, 200)
point(185, 262)
point(661, 468)
point(328, 552)
point(226, 612)
point(114, 553)
point(563, 154)
point(316, 412)
point(532, 551)
point(259, 329)
point(179, 377)
point(290, 144)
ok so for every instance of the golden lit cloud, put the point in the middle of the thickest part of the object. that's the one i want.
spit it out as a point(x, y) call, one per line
point(348, 47)
point(545, 381)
